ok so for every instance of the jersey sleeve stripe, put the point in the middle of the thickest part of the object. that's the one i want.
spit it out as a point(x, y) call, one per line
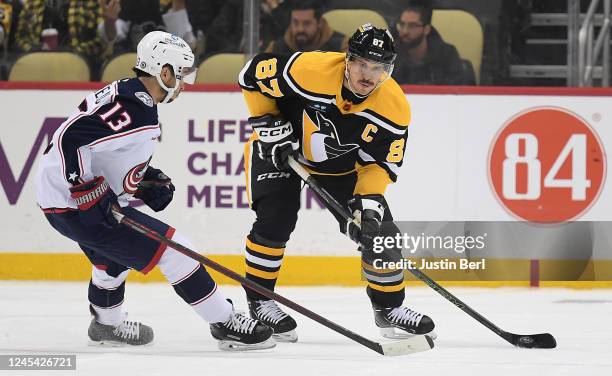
point(390, 127)
point(241, 77)
point(145, 128)
point(365, 156)
point(80, 157)
point(60, 142)
point(391, 168)
point(329, 99)
point(386, 120)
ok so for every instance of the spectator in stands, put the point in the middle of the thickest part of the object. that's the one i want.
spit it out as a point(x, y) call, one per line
point(422, 55)
point(39, 15)
point(225, 32)
point(308, 31)
point(61, 24)
point(6, 20)
point(201, 15)
point(127, 21)
point(176, 20)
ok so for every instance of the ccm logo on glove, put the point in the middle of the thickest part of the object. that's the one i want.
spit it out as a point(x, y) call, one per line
point(274, 133)
point(276, 140)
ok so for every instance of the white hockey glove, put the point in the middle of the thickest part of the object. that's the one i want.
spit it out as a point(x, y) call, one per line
point(368, 211)
point(276, 140)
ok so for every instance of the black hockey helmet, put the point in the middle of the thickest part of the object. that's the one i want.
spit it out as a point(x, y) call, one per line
point(372, 43)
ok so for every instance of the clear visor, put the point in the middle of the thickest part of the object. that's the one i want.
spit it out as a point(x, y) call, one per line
point(187, 74)
point(370, 68)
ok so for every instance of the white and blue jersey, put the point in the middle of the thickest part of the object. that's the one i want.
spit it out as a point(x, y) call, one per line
point(112, 133)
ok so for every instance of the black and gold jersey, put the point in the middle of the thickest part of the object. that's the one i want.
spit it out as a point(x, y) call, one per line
point(337, 135)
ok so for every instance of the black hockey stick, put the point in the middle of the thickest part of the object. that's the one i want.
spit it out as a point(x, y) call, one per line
point(542, 341)
point(402, 347)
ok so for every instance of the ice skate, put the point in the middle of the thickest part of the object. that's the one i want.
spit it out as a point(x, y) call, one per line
point(127, 333)
point(241, 333)
point(402, 322)
point(270, 314)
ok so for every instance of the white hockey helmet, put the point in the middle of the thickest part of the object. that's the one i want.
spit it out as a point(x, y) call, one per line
point(157, 49)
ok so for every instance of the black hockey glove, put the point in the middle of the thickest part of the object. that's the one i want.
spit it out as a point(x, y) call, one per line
point(368, 210)
point(156, 189)
point(95, 199)
point(276, 140)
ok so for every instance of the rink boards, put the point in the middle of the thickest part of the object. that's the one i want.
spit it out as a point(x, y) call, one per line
point(473, 154)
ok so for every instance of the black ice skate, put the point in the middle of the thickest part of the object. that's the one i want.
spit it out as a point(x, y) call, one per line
point(128, 333)
point(406, 320)
point(270, 314)
point(241, 333)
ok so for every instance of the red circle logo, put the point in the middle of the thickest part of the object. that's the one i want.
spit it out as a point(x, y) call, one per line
point(134, 177)
point(547, 165)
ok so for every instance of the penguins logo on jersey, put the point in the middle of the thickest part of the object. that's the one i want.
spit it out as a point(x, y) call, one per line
point(320, 139)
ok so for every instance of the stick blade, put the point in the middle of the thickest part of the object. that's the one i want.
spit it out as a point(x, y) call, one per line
point(534, 341)
point(407, 346)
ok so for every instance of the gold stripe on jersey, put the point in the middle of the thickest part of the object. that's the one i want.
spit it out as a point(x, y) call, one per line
point(259, 104)
point(370, 268)
point(313, 172)
point(320, 75)
point(389, 288)
point(261, 273)
point(316, 74)
point(371, 179)
point(389, 103)
point(265, 250)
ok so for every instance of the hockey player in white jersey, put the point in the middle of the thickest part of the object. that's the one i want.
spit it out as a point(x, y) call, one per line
point(99, 158)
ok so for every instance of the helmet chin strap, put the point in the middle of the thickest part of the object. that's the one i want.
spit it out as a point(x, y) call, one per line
point(169, 91)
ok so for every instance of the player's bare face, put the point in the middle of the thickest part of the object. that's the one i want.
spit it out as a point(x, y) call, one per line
point(364, 75)
point(304, 26)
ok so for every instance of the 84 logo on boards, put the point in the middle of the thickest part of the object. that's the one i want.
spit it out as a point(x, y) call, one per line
point(547, 165)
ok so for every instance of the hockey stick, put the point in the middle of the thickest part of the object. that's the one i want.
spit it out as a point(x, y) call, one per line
point(403, 347)
point(542, 341)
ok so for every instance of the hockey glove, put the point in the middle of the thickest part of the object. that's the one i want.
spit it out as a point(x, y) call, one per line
point(95, 199)
point(156, 189)
point(276, 140)
point(368, 210)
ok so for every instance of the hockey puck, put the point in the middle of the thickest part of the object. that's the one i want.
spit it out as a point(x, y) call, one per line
point(526, 341)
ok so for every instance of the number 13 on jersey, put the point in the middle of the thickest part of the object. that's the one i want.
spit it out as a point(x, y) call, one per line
point(546, 165)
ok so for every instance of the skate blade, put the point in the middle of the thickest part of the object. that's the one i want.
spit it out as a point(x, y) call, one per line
point(290, 336)
point(407, 346)
point(115, 344)
point(393, 333)
point(239, 346)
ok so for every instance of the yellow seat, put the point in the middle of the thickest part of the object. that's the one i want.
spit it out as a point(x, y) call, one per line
point(220, 69)
point(50, 66)
point(462, 30)
point(119, 67)
point(347, 21)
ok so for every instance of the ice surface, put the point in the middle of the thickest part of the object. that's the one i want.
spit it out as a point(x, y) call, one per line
point(52, 318)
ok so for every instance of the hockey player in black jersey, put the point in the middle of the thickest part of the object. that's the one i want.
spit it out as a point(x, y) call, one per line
point(99, 159)
point(346, 121)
